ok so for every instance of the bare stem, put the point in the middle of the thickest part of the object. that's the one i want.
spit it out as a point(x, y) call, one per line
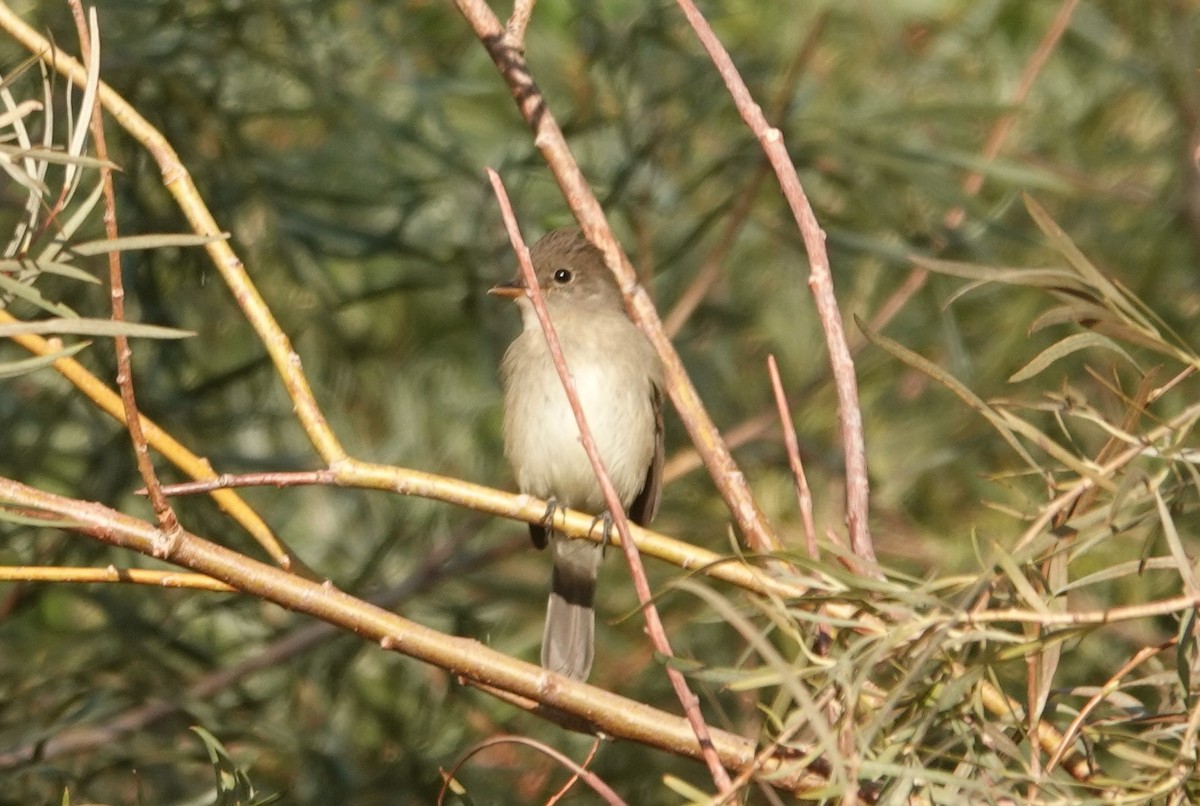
point(135, 576)
point(89, 44)
point(820, 282)
point(363, 475)
point(654, 626)
point(803, 494)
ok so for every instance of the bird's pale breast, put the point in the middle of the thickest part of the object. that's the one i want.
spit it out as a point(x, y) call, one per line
point(541, 436)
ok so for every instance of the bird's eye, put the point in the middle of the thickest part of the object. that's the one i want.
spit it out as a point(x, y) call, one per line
point(562, 276)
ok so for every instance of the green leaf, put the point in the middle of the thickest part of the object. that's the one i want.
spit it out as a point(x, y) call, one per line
point(10, 369)
point(1009, 275)
point(21, 519)
point(135, 242)
point(58, 157)
point(1071, 344)
point(922, 364)
point(49, 267)
point(94, 327)
point(31, 295)
point(1063, 244)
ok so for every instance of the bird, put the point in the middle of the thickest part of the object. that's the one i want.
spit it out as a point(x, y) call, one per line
point(619, 379)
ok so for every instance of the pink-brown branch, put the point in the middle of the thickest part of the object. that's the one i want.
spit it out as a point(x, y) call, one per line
point(89, 43)
point(820, 282)
point(654, 626)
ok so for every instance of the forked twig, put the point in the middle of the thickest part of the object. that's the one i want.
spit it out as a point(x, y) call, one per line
point(197, 467)
point(820, 282)
point(548, 138)
point(89, 43)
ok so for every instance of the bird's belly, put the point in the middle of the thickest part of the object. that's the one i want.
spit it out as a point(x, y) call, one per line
point(553, 462)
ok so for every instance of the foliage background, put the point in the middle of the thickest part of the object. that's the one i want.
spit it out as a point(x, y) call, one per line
point(343, 144)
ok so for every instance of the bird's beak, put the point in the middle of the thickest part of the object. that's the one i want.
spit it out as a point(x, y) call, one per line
point(513, 289)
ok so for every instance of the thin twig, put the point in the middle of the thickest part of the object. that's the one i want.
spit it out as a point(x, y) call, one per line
point(710, 269)
point(612, 500)
point(579, 771)
point(568, 785)
point(548, 138)
point(820, 282)
point(89, 44)
point(136, 576)
point(362, 475)
point(803, 494)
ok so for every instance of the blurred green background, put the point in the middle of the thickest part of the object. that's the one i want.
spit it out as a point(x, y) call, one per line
point(343, 145)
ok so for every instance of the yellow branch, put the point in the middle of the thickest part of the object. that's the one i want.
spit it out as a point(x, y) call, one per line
point(137, 576)
point(191, 464)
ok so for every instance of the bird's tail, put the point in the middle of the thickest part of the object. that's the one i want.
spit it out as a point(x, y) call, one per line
point(567, 644)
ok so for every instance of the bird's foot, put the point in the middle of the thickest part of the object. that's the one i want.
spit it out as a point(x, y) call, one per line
point(606, 518)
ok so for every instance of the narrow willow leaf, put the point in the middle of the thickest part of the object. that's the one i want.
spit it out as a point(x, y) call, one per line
point(50, 267)
point(23, 109)
point(1122, 332)
point(689, 793)
point(1130, 568)
point(25, 520)
point(1008, 275)
point(134, 242)
point(1033, 600)
point(1185, 663)
point(67, 270)
point(1183, 564)
point(1074, 312)
point(94, 327)
point(1188, 355)
point(13, 73)
point(31, 295)
point(80, 124)
point(54, 155)
point(11, 369)
point(1050, 652)
point(1063, 244)
point(1071, 344)
point(1015, 174)
point(23, 178)
point(922, 364)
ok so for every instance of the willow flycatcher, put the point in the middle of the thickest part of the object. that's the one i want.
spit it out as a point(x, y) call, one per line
point(618, 377)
